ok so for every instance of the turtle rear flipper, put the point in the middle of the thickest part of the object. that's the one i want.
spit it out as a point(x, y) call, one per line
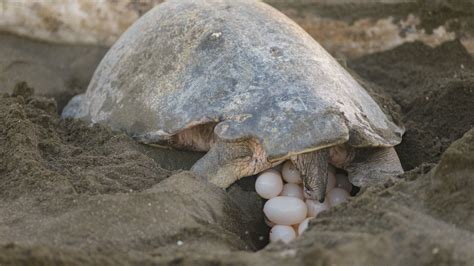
point(374, 166)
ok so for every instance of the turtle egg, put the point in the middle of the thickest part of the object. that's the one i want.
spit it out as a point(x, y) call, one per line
point(269, 184)
point(290, 173)
point(285, 210)
point(292, 190)
point(283, 233)
point(337, 196)
point(303, 225)
point(343, 182)
point(316, 207)
point(331, 182)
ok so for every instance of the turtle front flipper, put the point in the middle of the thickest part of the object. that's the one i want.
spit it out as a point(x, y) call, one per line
point(227, 162)
point(374, 166)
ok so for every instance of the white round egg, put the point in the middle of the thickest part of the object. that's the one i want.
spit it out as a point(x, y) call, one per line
point(285, 210)
point(316, 207)
point(337, 196)
point(282, 233)
point(269, 184)
point(292, 190)
point(303, 225)
point(290, 173)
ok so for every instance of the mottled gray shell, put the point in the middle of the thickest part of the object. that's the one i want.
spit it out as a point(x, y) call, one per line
point(240, 63)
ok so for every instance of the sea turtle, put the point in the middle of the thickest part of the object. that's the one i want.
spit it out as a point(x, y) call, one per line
point(240, 80)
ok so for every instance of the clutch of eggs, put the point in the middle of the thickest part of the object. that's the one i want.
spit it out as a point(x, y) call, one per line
point(287, 211)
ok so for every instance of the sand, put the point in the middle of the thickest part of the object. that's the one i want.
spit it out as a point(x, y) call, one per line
point(54, 70)
point(73, 194)
point(433, 87)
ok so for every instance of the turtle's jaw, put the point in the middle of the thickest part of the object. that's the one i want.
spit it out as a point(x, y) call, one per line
point(313, 167)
